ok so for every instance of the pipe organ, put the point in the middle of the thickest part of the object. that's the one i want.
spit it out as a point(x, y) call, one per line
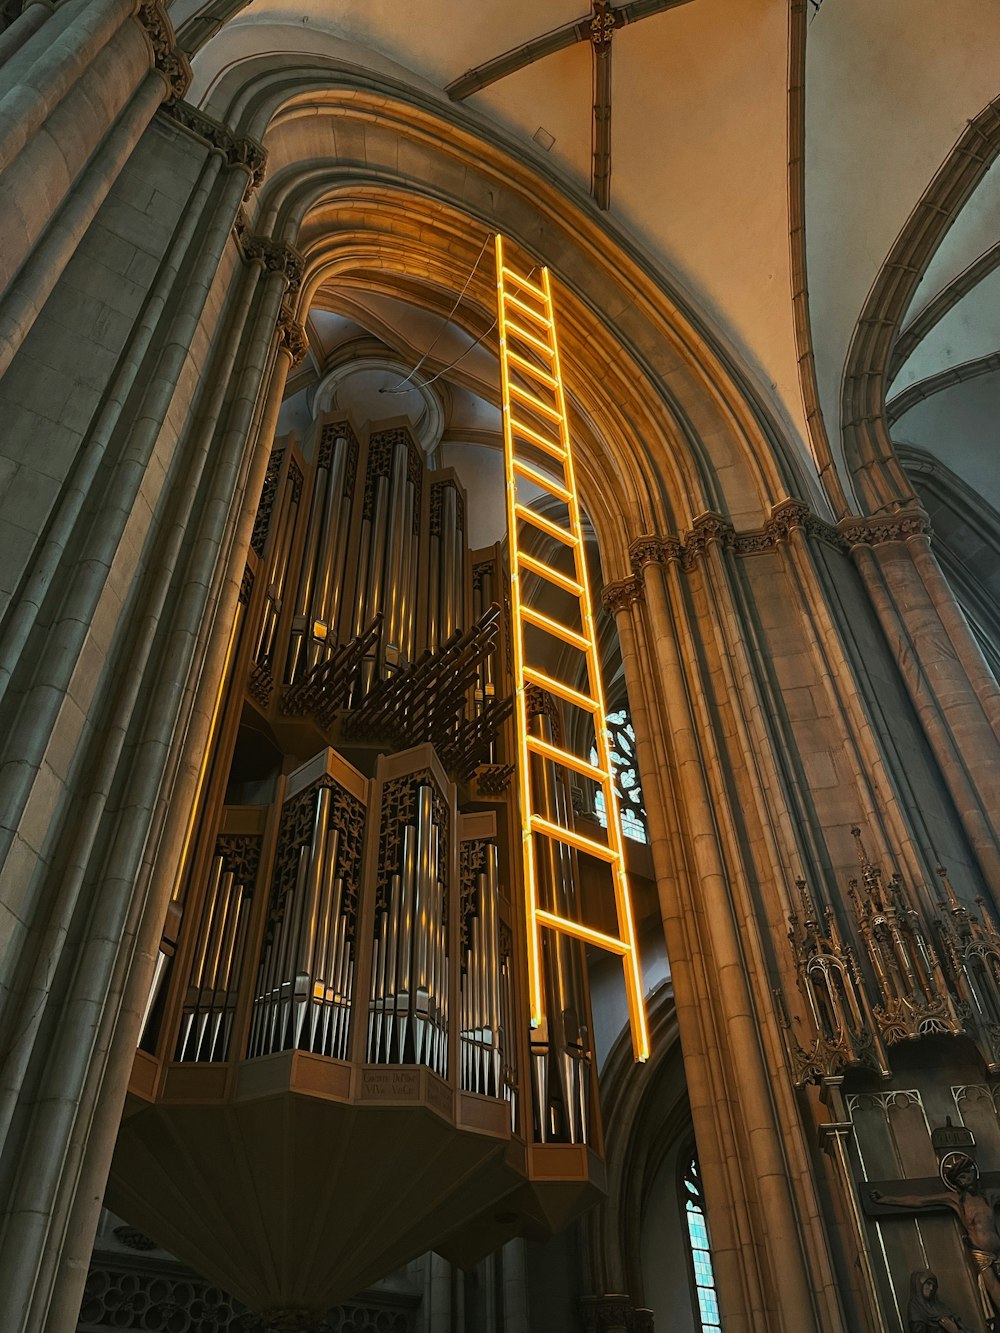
point(337, 1070)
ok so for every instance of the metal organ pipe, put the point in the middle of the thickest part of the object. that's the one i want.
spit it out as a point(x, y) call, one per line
point(369, 944)
point(303, 611)
point(211, 994)
point(393, 539)
point(408, 572)
point(560, 1046)
point(448, 557)
point(408, 1004)
point(306, 968)
point(314, 626)
point(483, 1037)
point(280, 559)
point(332, 553)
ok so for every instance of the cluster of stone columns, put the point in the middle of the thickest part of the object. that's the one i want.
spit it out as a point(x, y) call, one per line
point(115, 611)
point(726, 847)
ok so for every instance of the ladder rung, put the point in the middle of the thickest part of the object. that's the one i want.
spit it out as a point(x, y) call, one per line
point(542, 479)
point(539, 318)
point(553, 447)
point(568, 927)
point(556, 576)
point(535, 403)
point(558, 756)
point(565, 692)
point(550, 626)
point(526, 283)
point(513, 327)
point(544, 524)
point(529, 368)
point(572, 839)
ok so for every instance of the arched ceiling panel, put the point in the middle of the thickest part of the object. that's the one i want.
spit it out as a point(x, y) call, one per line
point(889, 89)
point(975, 231)
point(700, 168)
point(970, 329)
point(961, 426)
point(699, 131)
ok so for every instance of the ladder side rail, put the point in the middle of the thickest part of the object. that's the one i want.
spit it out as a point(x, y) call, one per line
point(517, 651)
point(623, 902)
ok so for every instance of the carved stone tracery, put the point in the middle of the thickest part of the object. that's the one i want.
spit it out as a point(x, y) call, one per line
point(909, 986)
point(121, 1295)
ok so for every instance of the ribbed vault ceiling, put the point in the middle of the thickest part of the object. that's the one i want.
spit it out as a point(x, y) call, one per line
point(700, 176)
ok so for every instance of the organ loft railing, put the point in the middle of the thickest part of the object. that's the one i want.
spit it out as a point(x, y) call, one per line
point(338, 1068)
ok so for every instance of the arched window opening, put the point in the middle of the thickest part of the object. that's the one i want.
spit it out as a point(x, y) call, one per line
point(627, 787)
point(693, 1203)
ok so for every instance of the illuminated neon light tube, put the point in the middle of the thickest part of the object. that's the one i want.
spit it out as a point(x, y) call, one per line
point(543, 340)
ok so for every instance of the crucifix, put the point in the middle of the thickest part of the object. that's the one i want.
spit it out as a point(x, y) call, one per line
point(973, 1200)
point(598, 27)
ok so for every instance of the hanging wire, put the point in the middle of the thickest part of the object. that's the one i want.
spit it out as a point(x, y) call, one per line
point(404, 385)
point(425, 383)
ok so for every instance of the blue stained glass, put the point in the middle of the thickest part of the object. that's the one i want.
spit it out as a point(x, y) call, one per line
point(632, 812)
point(701, 1256)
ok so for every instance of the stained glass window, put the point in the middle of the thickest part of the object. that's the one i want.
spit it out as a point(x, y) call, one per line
point(701, 1255)
point(621, 738)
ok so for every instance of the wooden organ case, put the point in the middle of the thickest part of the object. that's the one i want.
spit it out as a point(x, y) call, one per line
point(337, 1071)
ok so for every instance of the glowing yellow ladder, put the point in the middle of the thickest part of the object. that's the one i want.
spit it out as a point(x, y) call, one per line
point(534, 419)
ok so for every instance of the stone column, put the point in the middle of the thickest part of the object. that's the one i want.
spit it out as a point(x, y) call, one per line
point(949, 681)
point(744, 1116)
point(30, 19)
point(76, 93)
point(112, 650)
point(515, 1288)
point(249, 358)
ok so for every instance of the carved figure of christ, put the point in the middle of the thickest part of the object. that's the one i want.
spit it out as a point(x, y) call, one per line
point(961, 1192)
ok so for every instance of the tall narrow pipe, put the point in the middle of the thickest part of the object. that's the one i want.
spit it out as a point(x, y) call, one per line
point(302, 617)
point(322, 612)
point(408, 601)
point(407, 938)
point(434, 635)
point(393, 540)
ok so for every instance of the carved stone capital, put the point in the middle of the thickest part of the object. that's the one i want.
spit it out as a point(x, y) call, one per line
point(292, 335)
point(539, 703)
point(614, 1313)
point(653, 550)
point(621, 595)
point(881, 528)
point(787, 516)
point(707, 528)
point(273, 256)
point(168, 58)
point(237, 151)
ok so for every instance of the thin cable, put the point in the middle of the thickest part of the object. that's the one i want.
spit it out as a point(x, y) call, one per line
point(398, 388)
point(471, 348)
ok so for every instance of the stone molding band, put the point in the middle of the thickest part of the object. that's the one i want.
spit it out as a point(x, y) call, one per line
point(237, 151)
point(786, 517)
